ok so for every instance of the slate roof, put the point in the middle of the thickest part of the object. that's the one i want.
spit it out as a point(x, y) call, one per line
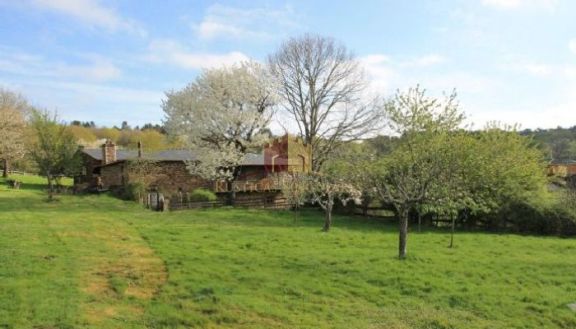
point(251, 159)
point(120, 154)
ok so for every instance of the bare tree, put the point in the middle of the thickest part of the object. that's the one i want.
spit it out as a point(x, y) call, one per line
point(322, 85)
point(13, 111)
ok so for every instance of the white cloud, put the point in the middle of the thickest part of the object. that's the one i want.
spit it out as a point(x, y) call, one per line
point(171, 52)
point(518, 4)
point(570, 71)
point(486, 97)
point(551, 71)
point(380, 71)
point(534, 69)
point(422, 61)
point(99, 71)
point(572, 45)
point(505, 4)
point(237, 23)
point(17, 63)
point(387, 74)
point(90, 12)
point(540, 116)
point(81, 101)
point(210, 30)
point(538, 69)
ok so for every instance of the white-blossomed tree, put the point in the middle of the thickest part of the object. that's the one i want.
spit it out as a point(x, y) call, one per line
point(14, 109)
point(222, 116)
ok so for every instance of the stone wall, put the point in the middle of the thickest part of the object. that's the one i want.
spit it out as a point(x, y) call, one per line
point(169, 177)
point(172, 176)
point(87, 177)
point(113, 175)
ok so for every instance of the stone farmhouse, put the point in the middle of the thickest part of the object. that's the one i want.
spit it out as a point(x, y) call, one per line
point(109, 167)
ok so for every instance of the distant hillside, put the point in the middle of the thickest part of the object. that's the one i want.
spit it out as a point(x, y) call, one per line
point(558, 143)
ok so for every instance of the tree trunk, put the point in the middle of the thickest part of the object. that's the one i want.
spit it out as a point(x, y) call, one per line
point(296, 214)
point(403, 236)
point(231, 192)
point(50, 188)
point(6, 168)
point(365, 205)
point(328, 217)
point(452, 232)
point(419, 222)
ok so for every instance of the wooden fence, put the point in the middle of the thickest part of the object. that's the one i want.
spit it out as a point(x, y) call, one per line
point(262, 185)
point(269, 200)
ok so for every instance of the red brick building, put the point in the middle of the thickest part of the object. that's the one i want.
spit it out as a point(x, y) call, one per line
point(562, 169)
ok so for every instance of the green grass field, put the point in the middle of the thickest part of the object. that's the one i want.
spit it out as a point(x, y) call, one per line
point(97, 262)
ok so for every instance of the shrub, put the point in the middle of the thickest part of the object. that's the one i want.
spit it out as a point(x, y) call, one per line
point(132, 191)
point(555, 219)
point(202, 195)
point(13, 183)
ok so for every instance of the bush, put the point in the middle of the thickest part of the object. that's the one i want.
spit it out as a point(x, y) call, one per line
point(15, 184)
point(202, 195)
point(553, 219)
point(132, 192)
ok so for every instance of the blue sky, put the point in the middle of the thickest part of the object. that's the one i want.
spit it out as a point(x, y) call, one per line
point(512, 61)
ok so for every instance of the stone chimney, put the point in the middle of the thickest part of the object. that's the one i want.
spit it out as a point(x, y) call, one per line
point(108, 152)
point(139, 150)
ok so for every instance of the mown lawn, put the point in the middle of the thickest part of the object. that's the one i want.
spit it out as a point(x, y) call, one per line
point(97, 262)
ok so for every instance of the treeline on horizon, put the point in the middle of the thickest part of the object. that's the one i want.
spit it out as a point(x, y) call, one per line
point(152, 136)
point(557, 144)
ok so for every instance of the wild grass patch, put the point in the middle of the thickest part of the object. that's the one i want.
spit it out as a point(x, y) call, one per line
point(98, 262)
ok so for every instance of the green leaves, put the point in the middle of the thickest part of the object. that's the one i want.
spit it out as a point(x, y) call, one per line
point(437, 167)
point(54, 148)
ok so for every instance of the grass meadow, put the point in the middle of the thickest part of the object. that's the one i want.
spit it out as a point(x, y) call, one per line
point(97, 262)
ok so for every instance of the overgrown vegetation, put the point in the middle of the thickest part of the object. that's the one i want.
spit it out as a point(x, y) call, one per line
point(202, 195)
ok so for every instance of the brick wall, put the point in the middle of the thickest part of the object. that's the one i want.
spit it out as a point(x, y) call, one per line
point(108, 152)
point(288, 153)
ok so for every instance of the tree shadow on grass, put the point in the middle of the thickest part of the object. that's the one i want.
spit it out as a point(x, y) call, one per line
point(310, 218)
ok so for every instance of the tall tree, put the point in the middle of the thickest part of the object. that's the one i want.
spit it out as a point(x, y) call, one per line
point(222, 116)
point(406, 176)
point(321, 85)
point(54, 149)
point(508, 169)
point(13, 110)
